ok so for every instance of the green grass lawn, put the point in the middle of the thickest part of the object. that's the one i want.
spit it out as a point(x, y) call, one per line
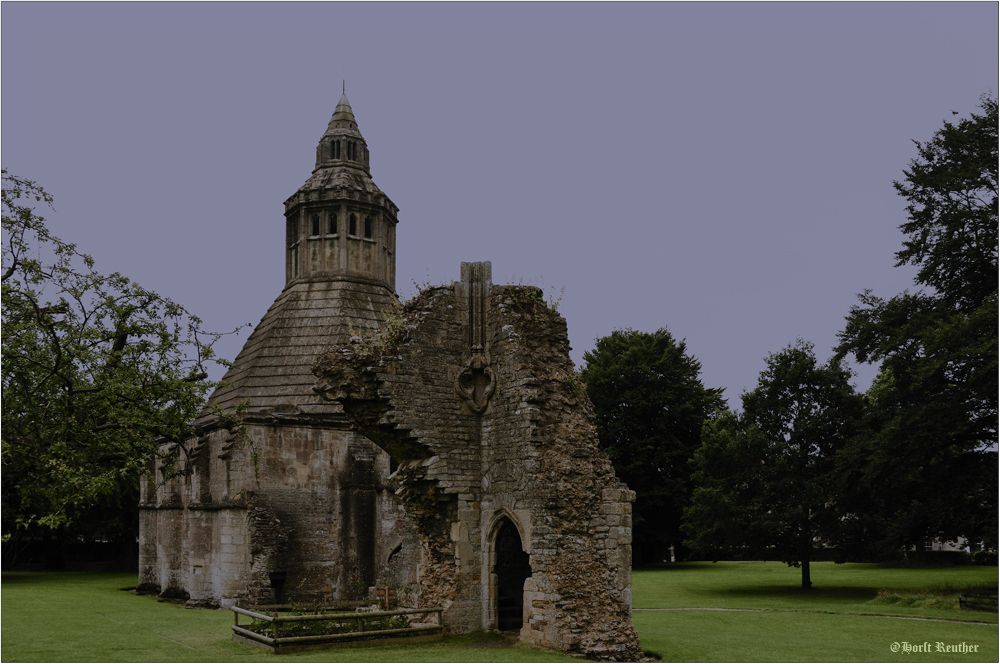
point(841, 619)
point(728, 636)
point(85, 617)
point(60, 617)
point(847, 588)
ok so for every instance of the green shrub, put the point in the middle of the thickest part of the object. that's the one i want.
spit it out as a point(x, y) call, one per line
point(985, 558)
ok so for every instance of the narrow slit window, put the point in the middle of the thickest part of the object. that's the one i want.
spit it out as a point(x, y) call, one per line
point(368, 227)
point(333, 223)
point(315, 224)
point(353, 229)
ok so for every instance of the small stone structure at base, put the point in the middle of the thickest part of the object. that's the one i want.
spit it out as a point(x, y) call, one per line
point(520, 518)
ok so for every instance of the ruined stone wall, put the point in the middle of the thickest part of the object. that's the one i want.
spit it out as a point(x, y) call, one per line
point(438, 479)
point(291, 512)
point(492, 425)
point(540, 454)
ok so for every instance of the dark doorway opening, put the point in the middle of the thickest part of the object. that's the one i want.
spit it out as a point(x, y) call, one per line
point(512, 568)
point(277, 580)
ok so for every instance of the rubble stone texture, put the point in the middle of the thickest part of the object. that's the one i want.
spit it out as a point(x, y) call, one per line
point(478, 400)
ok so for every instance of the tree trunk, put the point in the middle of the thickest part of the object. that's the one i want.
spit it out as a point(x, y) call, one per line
point(806, 581)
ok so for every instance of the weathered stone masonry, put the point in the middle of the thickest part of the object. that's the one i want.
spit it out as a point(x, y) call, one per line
point(495, 502)
point(299, 507)
point(479, 402)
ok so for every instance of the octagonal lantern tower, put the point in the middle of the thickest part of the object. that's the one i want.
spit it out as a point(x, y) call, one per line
point(299, 507)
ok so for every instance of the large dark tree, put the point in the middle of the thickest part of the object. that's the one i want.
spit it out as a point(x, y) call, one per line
point(650, 406)
point(97, 372)
point(927, 467)
point(766, 484)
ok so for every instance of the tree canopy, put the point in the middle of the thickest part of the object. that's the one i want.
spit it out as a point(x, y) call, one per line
point(951, 193)
point(97, 372)
point(766, 481)
point(650, 406)
point(927, 466)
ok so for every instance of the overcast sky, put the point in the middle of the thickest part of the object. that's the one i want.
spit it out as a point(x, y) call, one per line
point(722, 170)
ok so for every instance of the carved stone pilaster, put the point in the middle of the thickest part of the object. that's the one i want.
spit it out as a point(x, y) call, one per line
point(476, 382)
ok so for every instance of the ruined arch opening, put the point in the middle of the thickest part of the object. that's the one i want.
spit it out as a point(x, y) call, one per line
point(512, 568)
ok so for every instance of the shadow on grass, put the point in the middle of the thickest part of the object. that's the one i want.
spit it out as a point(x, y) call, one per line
point(853, 594)
point(681, 567)
point(22, 577)
point(482, 640)
point(55, 577)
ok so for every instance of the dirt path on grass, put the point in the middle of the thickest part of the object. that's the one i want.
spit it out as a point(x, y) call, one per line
point(838, 613)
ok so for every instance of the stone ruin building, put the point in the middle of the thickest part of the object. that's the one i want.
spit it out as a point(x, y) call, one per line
point(444, 447)
point(473, 391)
point(305, 508)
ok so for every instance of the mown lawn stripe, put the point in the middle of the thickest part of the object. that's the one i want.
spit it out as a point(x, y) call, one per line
point(834, 613)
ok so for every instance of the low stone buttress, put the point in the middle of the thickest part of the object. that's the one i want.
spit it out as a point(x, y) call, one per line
point(521, 520)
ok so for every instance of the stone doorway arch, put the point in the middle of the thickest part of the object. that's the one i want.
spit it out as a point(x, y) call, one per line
point(509, 568)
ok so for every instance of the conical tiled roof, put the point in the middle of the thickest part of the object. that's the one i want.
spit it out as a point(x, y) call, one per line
point(317, 309)
point(274, 369)
point(343, 116)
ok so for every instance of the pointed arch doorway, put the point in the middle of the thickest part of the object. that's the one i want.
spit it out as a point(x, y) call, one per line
point(511, 567)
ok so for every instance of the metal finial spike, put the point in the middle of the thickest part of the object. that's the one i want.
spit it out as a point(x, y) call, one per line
point(343, 89)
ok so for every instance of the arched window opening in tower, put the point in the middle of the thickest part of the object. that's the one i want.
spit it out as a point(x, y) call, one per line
point(368, 227)
point(315, 225)
point(353, 228)
point(333, 223)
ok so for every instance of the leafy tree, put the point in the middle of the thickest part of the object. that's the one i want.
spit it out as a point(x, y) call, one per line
point(97, 372)
point(650, 406)
point(766, 480)
point(928, 465)
point(951, 190)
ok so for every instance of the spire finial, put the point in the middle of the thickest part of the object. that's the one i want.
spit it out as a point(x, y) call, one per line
point(343, 89)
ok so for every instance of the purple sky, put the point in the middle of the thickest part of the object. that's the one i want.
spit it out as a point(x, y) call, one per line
point(724, 170)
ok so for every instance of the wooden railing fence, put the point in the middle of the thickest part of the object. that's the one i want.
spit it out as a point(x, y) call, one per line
point(266, 629)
